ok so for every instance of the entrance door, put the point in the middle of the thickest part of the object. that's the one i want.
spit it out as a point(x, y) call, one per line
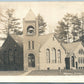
point(31, 60)
point(67, 61)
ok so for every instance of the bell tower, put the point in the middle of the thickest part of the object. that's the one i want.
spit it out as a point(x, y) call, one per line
point(30, 24)
point(30, 36)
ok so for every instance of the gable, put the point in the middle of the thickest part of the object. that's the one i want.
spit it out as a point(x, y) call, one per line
point(52, 42)
point(30, 16)
point(79, 49)
point(11, 42)
point(18, 39)
point(70, 47)
point(43, 39)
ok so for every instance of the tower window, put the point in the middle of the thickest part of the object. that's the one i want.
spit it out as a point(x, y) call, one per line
point(32, 44)
point(29, 46)
point(30, 30)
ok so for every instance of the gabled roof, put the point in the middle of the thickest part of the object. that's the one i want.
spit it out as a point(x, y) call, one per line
point(43, 39)
point(18, 39)
point(30, 16)
point(70, 47)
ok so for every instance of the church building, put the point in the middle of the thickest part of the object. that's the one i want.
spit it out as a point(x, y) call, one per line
point(32, 51)
point(41, 52)
point(11, 53)
point(74, 55)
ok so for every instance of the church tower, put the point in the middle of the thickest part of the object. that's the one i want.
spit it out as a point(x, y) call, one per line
point(30, 43)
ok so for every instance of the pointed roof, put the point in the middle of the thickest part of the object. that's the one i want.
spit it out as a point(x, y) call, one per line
point(70, 47)
point(17, 38)
point(43, 38)
point(30, 16)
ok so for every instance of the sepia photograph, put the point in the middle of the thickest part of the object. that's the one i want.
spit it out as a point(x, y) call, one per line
point(41, 38)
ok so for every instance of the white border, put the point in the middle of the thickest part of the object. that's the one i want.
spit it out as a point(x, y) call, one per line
point(33, 79)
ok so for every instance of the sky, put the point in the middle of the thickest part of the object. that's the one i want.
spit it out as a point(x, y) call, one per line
point(52, 12)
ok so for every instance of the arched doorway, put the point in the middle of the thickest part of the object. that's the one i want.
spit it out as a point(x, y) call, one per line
point(31, 60)
point(67, 61)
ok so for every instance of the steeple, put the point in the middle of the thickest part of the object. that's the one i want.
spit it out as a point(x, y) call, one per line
point(30, 24)
point(30, 33)
point(30, 16)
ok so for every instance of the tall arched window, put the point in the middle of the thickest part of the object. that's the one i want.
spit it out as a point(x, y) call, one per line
point(79, 60)
point(48, 55)
point(11, 59)
point(30, 30)
point(73, 61)
point(15, 56)
point(5, 57)
point(53, 55)
point(59, 56)
point(81, 52)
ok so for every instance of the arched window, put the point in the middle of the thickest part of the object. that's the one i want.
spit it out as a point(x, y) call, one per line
point(53, 55)
point(59, 56)
point(15, 56)
point(11, 56)
point(73, 59)
point(30, 30)
point(81, 52)
point(5, 57)
point(79, 59)
point(48, 55)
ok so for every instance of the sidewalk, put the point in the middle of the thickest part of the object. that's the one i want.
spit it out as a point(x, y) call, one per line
point(26, 73)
